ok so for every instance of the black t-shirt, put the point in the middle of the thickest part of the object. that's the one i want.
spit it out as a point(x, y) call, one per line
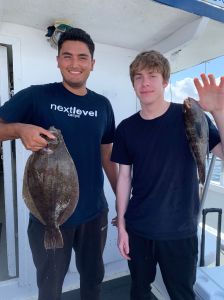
point(165, 194)
point(86, 122)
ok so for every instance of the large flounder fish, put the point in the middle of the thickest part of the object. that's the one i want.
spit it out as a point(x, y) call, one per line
point(51, 188)
point(197, 131)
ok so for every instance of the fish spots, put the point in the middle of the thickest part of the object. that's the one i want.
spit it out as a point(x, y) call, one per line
point(51, 188)
point(196, 126)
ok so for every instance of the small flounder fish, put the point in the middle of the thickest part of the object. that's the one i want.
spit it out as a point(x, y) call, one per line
point(197, 131)
point(51, 188)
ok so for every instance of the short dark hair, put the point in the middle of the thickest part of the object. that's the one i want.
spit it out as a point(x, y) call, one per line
point(76, 34)
point(151, 60)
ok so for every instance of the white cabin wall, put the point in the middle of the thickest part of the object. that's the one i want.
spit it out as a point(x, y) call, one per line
point(34, 62)
point(111, 78)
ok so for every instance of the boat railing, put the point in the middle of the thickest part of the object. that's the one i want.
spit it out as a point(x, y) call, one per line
point(217, 177)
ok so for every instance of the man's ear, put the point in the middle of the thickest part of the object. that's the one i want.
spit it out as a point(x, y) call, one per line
point(57, 58)
point(93, 63)
point(165, 83)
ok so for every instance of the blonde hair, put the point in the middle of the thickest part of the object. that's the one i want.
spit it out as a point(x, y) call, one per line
point(151, 60)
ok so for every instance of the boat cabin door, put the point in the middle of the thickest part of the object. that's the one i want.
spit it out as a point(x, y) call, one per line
point(8, 203)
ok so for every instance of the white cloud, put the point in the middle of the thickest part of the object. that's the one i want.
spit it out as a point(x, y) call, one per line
point(180, 90)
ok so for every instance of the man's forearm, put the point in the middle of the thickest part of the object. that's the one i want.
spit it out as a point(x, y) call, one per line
point(110, 167)
point(219, 120)
point(111, 170)
point(123, 195)
point(8, 131)
point(30, 135)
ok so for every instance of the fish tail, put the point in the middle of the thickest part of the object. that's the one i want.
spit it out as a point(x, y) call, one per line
point(201, 173)
point(53, 238)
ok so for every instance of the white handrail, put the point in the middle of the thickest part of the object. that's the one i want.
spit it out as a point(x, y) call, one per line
point(9, 208)
point(222, 174)
point(220, 181)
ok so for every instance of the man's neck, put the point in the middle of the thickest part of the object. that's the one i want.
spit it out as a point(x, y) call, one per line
point(154, 110)
point(80, 91)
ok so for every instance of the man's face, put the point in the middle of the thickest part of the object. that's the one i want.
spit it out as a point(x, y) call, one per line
point(75, 63)
point(149, 86)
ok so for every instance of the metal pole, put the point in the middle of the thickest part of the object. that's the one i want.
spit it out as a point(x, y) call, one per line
point(205, 211)
point(218, 240)
point(202, 253)
point(206, 185)
point(222, 173)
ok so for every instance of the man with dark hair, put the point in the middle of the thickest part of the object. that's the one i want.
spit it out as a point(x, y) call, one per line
point(86, 120)
point(158, 174)
point(77, 34)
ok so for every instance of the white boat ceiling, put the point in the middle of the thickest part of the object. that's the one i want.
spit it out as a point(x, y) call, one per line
point(185, 38)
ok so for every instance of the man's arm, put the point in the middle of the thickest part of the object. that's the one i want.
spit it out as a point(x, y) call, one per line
point(8, 131)
point(123, 196)
point(110, 168)
point(211, 99)
point(218, 150)
point(30, 135)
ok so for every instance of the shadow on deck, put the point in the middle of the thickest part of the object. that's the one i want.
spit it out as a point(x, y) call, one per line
point(113, 289)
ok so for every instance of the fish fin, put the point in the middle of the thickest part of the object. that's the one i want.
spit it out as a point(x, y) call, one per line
point(202, 178)
point(201, 174)
point(53, 238)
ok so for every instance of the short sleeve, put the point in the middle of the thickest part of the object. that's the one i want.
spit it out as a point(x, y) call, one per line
point(19, 108)
point(108, 136)
point(120, 153)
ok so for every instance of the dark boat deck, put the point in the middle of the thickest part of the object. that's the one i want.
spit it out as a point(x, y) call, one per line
point(113, 289)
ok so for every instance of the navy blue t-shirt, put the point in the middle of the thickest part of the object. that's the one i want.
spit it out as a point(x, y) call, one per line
point(165, 194)
point(86, 122)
